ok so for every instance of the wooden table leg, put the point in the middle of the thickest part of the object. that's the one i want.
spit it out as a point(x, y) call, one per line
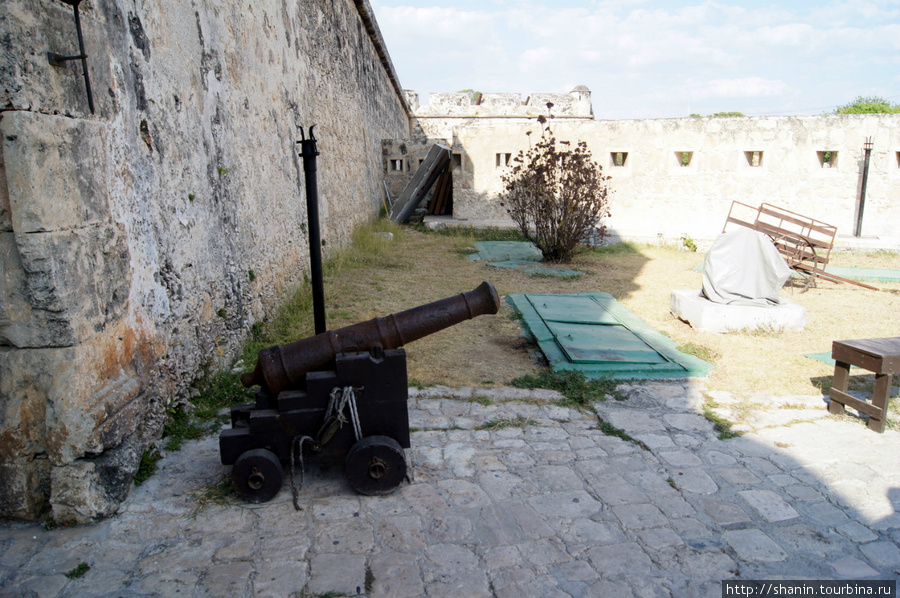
point(880, 398)
point(841, 382)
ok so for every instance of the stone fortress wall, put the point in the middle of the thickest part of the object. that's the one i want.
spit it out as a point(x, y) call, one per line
point(140, 243)
point(677, 177)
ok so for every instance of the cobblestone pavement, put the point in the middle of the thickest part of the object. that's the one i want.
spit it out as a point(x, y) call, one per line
point(512, 496)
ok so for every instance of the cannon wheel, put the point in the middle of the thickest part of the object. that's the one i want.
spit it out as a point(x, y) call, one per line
point(376, 465)
point(257, 475)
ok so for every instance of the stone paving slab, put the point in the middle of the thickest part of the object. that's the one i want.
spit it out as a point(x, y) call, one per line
point(553, 507)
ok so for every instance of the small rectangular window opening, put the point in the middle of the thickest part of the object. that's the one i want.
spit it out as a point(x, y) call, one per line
point(898, 159)
point(618, 158)
point(455, 162)
point(684, 158)
point(827, 158)
point(754, 158)
point(503, 160)
point(396, 164)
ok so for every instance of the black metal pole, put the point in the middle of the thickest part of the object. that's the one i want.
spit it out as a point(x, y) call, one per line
point(309, 152)
point(60, 60)
point(84, 66)
point(862, 192)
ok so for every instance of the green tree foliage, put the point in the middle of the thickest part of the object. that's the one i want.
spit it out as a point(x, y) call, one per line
point(868, 105)
point(474, 95)
point(557, 195)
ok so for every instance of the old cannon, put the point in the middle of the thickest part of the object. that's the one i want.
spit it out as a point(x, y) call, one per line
point(308, 389)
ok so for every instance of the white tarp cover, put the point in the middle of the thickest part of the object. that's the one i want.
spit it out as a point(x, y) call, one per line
point(743, 267)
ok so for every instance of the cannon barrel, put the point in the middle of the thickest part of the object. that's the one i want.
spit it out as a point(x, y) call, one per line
point(284, 367)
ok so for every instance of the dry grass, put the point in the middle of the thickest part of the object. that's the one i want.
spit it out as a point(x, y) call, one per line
point(417, 268)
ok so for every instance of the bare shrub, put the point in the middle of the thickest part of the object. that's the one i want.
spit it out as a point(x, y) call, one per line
point(557, 195)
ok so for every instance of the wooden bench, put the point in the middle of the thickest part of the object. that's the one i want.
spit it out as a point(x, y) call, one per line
point(879, 355)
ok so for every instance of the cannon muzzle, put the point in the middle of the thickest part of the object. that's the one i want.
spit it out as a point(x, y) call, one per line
point(284, 367)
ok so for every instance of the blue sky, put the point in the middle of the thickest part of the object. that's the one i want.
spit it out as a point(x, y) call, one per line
point(652, 59)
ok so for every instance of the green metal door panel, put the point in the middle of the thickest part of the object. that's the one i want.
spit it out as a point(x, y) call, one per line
point(571, 308)
point(602, 343)
point(594, 334)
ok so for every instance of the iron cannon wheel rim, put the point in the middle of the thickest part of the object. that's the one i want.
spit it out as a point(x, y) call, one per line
point(376, 465)
point(257, 475)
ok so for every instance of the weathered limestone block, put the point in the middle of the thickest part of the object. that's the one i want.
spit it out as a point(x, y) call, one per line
point(92, 488)
point(24, 486)
point(24, 469)
point(20, 325)
point(22, 408)
point(412, 99)
point(447, 101)
point(568, 104)
point(55, 171)
point(82, 418)
point(36, 405)
point(577, 103)
point(81, 277)
point(501, 101)
point(52, 412)
point(66, 266)
point(60, 288)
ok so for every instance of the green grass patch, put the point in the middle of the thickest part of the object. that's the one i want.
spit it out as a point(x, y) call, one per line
point(149, 458)
point(371, 247)
point(765, 331)
point(180, 427)
point(475, 234)
point(617, 249)
point(482, 400)
point(219, 493)
point(610, 430)
point(578, 390)
point(566, 278)
point(217, 391)
point(519, 421)
point(78, 571)
point(699, 351)
point(721, 425)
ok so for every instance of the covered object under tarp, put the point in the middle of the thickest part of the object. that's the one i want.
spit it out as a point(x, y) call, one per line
point(743, 267)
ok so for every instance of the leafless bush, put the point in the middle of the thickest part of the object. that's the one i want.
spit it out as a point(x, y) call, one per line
point(557, 195)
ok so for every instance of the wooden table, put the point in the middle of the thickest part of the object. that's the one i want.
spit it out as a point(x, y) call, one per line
point(879, 355)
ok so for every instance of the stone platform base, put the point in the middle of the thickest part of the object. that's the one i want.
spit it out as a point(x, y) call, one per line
point(705, 316)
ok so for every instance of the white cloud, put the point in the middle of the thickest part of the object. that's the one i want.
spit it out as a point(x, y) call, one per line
point(409, 25)
point(535, 59)
point(745, 87)
point(791, 34)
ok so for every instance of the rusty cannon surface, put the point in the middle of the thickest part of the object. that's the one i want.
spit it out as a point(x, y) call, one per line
point(309, 389)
